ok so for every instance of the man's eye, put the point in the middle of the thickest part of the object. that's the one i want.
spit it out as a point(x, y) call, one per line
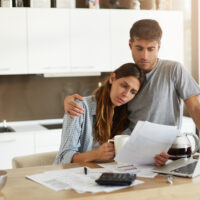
point(139, 49)
point(150, 49)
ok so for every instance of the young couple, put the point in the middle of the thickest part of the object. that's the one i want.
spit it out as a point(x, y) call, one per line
point(90, 123)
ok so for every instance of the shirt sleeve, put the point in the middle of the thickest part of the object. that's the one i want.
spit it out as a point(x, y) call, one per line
point(184, 83)
point(70, 139)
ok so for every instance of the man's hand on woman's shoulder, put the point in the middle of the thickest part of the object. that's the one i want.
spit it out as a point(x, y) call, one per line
point(71, 107)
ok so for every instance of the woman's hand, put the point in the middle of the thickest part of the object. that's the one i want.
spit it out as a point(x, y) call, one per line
point(71, 107)
point(105, 151)
point(161, 159)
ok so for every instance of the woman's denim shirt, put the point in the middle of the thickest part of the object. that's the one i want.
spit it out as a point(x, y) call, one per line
point(77, 133)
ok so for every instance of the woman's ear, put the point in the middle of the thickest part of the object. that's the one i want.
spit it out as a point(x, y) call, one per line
point(112, 78)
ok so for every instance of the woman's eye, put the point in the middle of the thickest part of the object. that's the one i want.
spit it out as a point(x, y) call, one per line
point(133, 92)
point(124, 86)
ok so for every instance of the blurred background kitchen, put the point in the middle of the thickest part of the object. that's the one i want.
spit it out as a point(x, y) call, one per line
point(32, 96)
point(53, 48)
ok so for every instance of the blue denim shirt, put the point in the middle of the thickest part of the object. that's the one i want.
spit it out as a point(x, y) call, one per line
point(77, 133)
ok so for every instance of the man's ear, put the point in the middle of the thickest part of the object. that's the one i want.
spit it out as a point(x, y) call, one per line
point(130, 44)
point(159, 45)
point(112, 77)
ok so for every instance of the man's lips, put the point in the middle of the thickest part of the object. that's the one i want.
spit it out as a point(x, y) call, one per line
point(144, 62)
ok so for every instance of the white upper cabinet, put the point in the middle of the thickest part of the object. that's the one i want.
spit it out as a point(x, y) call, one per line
point(42, 40)
point(121, 21)
point(13, 41)
point(90, 40)
point(171, 23)
point(48, 40)
point(172, 42)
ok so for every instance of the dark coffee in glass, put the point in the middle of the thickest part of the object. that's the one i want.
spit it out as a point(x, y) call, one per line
point(176, 153)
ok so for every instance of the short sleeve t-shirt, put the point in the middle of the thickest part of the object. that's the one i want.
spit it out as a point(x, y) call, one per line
point(160, 100)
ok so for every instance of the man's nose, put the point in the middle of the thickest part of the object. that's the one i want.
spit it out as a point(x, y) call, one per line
point(144, 53)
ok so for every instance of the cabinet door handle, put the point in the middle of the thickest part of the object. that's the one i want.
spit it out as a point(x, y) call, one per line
point(4, 69)
point(83, 67)
point(7, 141)
point(54, 67)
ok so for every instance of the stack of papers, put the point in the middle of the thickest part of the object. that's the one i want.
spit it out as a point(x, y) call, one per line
point(144, 171)
point(76, 179)
point(147, 140)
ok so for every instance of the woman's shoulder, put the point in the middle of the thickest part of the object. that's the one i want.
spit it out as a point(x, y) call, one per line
point(89, 102)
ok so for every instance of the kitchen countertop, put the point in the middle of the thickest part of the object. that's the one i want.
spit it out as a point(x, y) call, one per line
point(32, 125)
point(37, 125)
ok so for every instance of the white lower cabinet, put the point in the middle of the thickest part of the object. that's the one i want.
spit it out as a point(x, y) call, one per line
point(14, 144)
point(46, 142)
point(26, 143)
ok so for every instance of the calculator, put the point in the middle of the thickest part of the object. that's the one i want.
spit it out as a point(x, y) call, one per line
point(116, 179)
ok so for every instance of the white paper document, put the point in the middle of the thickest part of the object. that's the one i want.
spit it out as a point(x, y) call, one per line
point(76, 179)
point(147, 140)
point(145, 171)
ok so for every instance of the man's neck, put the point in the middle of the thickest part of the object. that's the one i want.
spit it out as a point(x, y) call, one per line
point(153, 66)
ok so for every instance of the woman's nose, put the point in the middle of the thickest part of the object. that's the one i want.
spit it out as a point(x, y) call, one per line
point(125, 93)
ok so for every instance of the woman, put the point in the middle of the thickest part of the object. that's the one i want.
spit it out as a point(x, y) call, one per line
point(84, 138)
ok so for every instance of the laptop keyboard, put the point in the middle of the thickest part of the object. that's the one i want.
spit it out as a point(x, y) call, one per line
point(188, 169)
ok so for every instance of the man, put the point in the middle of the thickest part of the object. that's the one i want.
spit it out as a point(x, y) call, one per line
point(167, 84)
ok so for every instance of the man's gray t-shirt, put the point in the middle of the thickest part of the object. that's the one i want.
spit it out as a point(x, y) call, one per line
point(160, 98)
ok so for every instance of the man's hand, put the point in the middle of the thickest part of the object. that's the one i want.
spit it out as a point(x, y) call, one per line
point(105, 151)
point(161, 159)
point(71, 107)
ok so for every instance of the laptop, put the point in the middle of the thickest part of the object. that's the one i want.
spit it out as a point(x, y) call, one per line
point(182, 167)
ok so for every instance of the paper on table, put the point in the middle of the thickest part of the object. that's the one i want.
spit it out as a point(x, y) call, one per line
point(76, 179)
point(144, 171)
point(147, 140)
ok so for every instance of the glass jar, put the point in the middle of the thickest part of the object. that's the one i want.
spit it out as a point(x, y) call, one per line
point(40, 3)
point(6, 3)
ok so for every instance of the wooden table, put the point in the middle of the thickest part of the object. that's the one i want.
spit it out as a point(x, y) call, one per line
point(20, 188)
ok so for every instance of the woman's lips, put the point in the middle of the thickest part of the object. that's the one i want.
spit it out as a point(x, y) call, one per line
point(120, 100)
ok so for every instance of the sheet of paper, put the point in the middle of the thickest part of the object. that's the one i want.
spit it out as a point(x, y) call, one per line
point(147, 140)
point(144, 171)
point(76, 179)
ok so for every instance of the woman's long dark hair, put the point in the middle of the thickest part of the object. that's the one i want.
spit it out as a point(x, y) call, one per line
point(112, 121)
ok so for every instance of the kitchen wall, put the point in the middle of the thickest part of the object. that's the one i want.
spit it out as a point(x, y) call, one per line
point(33, 97)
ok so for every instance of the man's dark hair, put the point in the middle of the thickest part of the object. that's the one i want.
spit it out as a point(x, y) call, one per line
point(146, 29)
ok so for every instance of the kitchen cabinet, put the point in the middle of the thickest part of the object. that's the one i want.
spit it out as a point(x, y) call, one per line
point(48, 40)
point(26, 143)
point(30, 137)
point(90, 40)
point(47, 141)
point(14, 144)
point(172, 39)
point(13, 41)
point(121, 23)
